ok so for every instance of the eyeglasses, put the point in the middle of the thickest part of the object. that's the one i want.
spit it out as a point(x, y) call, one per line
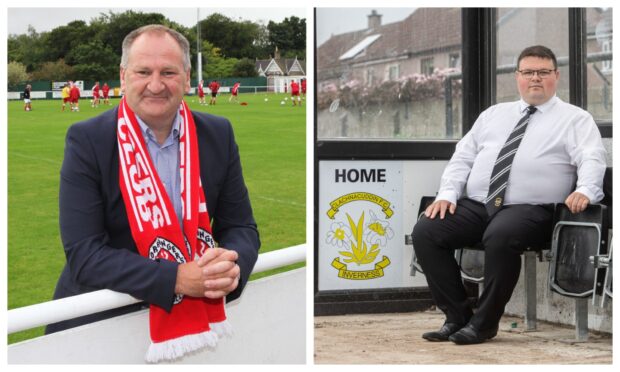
point(528, 74)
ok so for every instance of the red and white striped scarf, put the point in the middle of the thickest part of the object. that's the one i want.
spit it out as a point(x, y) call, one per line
point(192, 323)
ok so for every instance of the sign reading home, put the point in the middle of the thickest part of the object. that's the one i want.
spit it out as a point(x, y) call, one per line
point(360, 224)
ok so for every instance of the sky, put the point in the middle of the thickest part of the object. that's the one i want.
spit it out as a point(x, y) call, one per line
point(340, 20)
point(46, 19)
point(329, 20)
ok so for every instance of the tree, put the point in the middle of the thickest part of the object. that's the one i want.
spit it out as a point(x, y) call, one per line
point(220, 68)
point(216, 66)
point(16, 73)
point(94, 61)
point(235, 39)
point(289, 36)
point(55, 71)
point(94, 50)
point(245, 68)
point(28, 49)
point(262, 43)
point(62, 39)
point(115, 26)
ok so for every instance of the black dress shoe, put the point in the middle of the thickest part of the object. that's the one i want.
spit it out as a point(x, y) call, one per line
point(442, 335)
point(469, 335)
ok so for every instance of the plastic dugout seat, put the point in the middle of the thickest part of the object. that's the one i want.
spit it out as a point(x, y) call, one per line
point(581, 256)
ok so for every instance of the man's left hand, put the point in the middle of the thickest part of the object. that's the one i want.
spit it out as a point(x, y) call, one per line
point(577, 202)
point(220, 272)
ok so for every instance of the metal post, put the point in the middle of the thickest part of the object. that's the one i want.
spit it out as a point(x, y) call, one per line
point(578, 50)
point(581, 319)
point(396, 120)
point(198, 48)
point(343, 125)
point(448, 99)
point(529, 282)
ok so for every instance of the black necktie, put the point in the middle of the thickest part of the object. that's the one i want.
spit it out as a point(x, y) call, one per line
point(501, 169)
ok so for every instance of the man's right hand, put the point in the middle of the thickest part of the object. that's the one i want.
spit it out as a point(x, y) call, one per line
point(439, 206)
point(220, 271)
point(190, 280)
point(214, 275)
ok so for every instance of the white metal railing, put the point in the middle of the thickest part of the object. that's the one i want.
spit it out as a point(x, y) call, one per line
point(72, 307)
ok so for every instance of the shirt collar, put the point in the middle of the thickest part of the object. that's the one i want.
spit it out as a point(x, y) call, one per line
point(542, 108)
point(148, 133)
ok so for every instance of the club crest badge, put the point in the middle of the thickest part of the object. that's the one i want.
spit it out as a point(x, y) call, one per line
point(360, 237)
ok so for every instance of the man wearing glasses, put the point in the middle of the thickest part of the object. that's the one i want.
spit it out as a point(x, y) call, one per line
point(499, 188)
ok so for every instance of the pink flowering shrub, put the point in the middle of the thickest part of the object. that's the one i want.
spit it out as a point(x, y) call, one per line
point(416, 87)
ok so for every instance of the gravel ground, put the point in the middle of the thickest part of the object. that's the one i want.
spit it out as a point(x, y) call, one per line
point(396, 339)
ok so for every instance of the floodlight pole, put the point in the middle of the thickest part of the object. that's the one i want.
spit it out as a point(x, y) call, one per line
point(198, 48)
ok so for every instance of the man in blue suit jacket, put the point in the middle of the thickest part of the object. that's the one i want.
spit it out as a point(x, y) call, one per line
point(100, 250)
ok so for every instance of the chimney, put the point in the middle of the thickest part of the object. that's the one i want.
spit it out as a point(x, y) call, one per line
point(277, 54)
point(374, 20)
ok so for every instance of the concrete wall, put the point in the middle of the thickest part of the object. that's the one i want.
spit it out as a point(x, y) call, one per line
point(269, 322)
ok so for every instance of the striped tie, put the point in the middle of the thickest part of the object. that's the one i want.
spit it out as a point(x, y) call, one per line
point(501, 169)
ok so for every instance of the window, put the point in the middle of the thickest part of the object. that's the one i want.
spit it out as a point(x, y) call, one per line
point(370, 77)
point(427, 66)
point(372, 82)
point(454, 60)
point(393, 72)
point(518, 28)
point(599, 28)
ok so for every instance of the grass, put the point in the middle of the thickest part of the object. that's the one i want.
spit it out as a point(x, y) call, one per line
point(271, 139)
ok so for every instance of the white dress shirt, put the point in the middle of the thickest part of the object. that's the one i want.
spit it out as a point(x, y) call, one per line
point(561, 151)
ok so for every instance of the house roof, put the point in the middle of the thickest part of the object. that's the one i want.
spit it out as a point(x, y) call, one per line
point(261, 64)
point(359, 47)
point(429, 30)
point(293, 66)
point(424, 30)
point(286, 66)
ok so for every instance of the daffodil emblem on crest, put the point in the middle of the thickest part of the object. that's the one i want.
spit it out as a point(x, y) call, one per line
point(338, 235)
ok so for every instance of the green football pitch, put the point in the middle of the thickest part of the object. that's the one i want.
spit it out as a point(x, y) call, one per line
point(271, 137)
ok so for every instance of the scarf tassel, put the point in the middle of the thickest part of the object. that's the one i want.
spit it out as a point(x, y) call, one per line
point(176, 348)
point(221, 329)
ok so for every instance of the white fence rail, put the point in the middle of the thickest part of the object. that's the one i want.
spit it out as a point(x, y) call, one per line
point(269, 327)
point(71, 307)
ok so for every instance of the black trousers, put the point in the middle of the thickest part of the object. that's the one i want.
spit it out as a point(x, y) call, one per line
point(504, 237)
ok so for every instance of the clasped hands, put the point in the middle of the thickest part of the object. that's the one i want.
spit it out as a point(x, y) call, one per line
point(576, 202)
point(214, 275)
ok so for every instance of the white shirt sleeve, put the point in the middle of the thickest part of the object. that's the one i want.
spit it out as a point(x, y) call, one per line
point(587, 153)
point(454, 177)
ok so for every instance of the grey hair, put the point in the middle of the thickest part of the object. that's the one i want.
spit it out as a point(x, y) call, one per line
point(160, 29)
